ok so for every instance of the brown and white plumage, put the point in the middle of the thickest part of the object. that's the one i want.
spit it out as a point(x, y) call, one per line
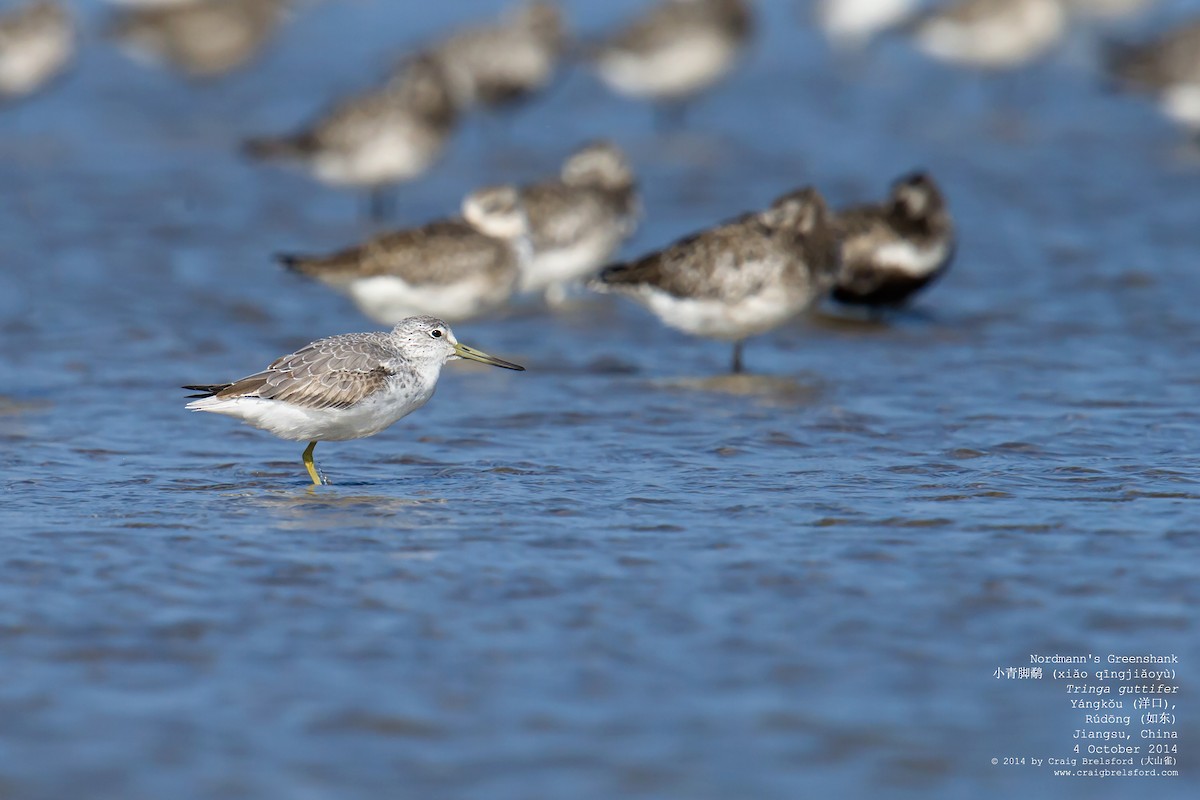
point(343, 387)
point(388, 135)
point(37, 41)
point(454, 269)
point(990, 34)
point(508, 60)
point(200, 38)
point(738, 279)
point(677, 49)
point(891, 250)
point(579, 220)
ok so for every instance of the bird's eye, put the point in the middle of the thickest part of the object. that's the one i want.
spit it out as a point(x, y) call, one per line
point(436, 333)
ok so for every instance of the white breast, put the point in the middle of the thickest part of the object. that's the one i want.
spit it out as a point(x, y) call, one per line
point(911, 260)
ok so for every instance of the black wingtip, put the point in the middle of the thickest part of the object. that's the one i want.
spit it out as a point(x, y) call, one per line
point(205, 390)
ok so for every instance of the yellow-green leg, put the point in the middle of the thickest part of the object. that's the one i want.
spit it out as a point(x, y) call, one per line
point(310, 466)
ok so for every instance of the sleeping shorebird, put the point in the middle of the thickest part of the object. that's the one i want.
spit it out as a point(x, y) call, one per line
point(577, 222)
point(893, 250)
point(1168, 68)
point(505, 62)
point(674, 52)
point(455, 269)
point(852, 23)
point(344, 387)
point(990, 34)
point(387, 136)
point(37, 41)
point(200, 38)
point(739, 279)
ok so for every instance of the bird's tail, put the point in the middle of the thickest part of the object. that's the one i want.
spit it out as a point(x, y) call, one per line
point(206, 389)
point(279, 148)
point(612, 278)
point(1123, 64)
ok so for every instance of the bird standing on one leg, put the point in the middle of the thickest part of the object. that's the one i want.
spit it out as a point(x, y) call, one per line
point(739, 279)
point(344, 387)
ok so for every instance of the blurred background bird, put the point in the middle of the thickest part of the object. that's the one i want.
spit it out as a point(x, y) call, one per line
point(579, 220)
point(503, 63)
point(199, 38)
point(455, 269)
point(673, 52)
point(892, 250)
point(37, 43)
point(377, 139)
point(739, 279)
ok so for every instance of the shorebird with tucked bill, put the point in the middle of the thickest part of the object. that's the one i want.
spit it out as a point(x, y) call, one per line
point(739, 279)
point(344, 387)
point(892, 250)
point(579, 220)
point(37, 42)
point(990, 34)
point(674, 51)
point(378, 139)
point(455, 269)
point(505, 62)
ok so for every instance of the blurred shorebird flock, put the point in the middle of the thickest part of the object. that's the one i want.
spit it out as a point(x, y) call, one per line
point(555, 234)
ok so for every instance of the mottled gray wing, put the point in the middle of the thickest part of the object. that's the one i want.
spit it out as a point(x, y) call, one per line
point(729, 262)
point(337, 372)
point(441, 252)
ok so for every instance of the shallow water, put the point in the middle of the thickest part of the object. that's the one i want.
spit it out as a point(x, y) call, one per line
point(620, 573)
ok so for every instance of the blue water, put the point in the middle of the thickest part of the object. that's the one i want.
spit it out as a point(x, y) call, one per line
point(618, 574)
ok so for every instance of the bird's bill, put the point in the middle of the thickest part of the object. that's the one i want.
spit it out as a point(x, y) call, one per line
point(462, 351)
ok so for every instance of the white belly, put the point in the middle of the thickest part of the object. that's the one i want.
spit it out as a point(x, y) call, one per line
point(1007, 40)
point(313, 424)
point(388, 299)
point(393, 155)
point(686, 67)
point(715, 319)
